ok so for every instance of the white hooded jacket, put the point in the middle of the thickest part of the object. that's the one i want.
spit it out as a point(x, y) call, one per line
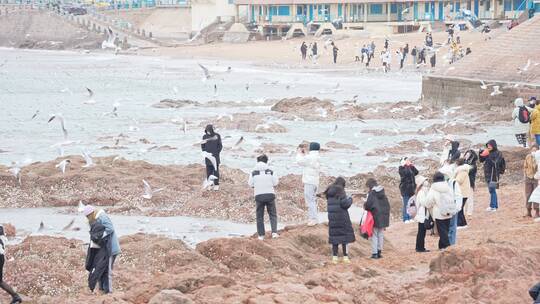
point(519, 127)
point(312, 167)
point(439, 193)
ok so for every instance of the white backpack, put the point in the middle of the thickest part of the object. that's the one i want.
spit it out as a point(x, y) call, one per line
point(449, 205)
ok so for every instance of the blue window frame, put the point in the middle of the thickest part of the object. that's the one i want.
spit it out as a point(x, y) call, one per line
point(426, 7)
point(284, 10)
point(375, 9)
point(507, 5)
point(393, 8)
point(519, 5)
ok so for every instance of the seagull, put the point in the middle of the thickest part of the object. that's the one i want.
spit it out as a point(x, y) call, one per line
point(202, 142)
point(69, 226)
point(229, 69)
point(209, 182)
point(206, 73)
point(35, 114)
point(185, 127)
point(88, 159)
point(334, 131)
point(220, 116)
point(62, 122)
point(215, 90)
point(525, 68)
point(90, 97)
point(496, 91)
point(247, 86)
point(114, 111)
point(239, 142)
point(15, 170)
point(484, 86)
point(211, 158)
point(322, 112)
point(148, 192)
point(41, 227)
point(80, 207)
point(451, 110)
point(63, 164)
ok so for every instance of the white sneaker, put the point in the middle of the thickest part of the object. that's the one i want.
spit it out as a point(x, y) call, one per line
point(216, 188)
point(261, 237)
point(489, 209)
point(275, 235)
point(462, 227)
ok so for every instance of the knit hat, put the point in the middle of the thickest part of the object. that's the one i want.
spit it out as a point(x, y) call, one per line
point(88, 209)
point(314, 146)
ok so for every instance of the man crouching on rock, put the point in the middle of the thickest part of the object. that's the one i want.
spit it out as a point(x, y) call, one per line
point(263, 180)
point(103, 249)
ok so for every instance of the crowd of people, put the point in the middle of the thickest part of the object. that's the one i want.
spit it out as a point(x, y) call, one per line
point(420, 55)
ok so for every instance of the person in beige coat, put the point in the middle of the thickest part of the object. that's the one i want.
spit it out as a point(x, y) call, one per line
point(462, 177)
point(422, 213)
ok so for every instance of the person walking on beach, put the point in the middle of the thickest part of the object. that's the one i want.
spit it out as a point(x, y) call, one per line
point(335, 51)
point(405, 52)
point(212, 145)
point(530, 171)
point(494, 166)
point(407, 184)
point(521, 117)
point(15, 298)
point(462, 178)
point(400, 58)
point(423, 214)
point(414, 54)
point(439, 198)
point(310, 177)
point(263, 180)
point(372, 49)
point(471, 159)
point(303, 50)
point(340, 229)
point(535, 124)
point(314, 52)
point(103, 249)
point(377, 203)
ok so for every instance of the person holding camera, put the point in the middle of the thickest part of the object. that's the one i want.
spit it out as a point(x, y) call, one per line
point(494, 166)
point(309, 161)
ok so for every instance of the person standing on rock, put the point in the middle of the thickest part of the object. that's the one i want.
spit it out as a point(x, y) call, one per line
point(212, 144)
point(462, 178)
point(303, 50)
point(334, 51)
point(310, 177)
point(422, 217)
point(530, 169)
point(494, 166)
point(407, 184)
point(440, 195)
point(450, 152)
point(340, 229)
point(471, 159)
point(263, 180)
point(103, 250)
point(377, 203)
point(15, 298)
point(521, 118)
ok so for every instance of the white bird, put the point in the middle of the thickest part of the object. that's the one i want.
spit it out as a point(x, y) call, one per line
point(211, 158)
point(496, 91)
point(239, 142)
point(451, 110)
point(90, 99)
point(148, 192)
point(220, 116)
point(88, 159)
point(35, 114)
point(525, 68)
point(62, 123)
point(483, 85)
point(322, 112)
point(185, 127)
point(114, 111)
point(62, 165)
point(15, 170)
point(81, 206)
point(206, 73)
point(334, 130)
point(209, 182)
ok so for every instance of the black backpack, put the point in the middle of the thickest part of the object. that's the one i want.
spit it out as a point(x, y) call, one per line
point(524, 116)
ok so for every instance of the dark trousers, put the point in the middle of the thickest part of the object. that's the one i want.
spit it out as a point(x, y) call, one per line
point(335, 249)
point(211, 171)
point(442, 227)
point(335, 58)
point(534, 292)
point(420, 237)
point(530, 185)
point(401, 63)
point(461, 220)
point(272, 213)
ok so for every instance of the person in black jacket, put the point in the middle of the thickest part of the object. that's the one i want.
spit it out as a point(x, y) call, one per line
point(494, 166)
point(471, 158)
point(97, 259)
point(377, 203)
point(340, 230)
point(454, 154)
point(407, 184)
point(212, 144)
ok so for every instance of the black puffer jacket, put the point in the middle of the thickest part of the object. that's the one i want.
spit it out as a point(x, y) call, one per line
point(407, 185)
point(454, 154)
point(494, 163)
point(377, 203)
point(472, 160)
point(340, 230)
point(213, 144)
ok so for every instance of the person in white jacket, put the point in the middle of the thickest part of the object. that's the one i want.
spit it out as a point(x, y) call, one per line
point(440, 194)
point(15, 298)
point(422, 212)
point(310, 178)
point(521, 129)
point(263, 180)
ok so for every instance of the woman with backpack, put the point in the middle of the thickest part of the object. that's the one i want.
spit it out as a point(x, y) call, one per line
point(494, 166)
point(439, 198)
point(340, 230)
point(423, 214)
point(521, 118)
point(377, 203)
point(407, 185)
point(15, 298)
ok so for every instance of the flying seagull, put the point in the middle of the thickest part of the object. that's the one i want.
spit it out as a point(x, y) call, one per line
point(206, 73)
point(15, 170)
point(525, 68)
point(241, 140)
point(148, 192)
point(211, 158)
point(209, 182)
point(62, 123)
point(35, 114)
point(88, 159)
point(496, 91)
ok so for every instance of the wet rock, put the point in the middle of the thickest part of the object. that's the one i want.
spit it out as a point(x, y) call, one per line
point(174, 103)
